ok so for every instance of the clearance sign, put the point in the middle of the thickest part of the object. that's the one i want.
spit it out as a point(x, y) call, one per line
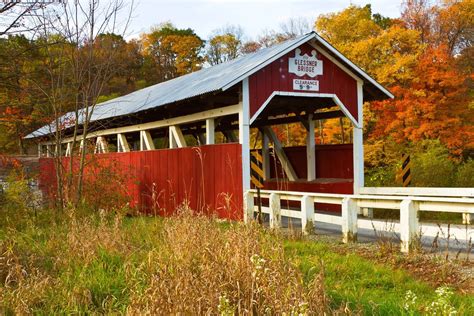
point(305, 65)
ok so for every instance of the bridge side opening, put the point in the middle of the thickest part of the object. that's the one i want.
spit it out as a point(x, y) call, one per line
point(306, 143)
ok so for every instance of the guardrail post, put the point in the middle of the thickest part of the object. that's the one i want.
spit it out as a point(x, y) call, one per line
point(248, 206)
point(408, 224)
point(368, 212)
point(275, 211)
point(349, 220)
point(466, 218)
point(307, 214)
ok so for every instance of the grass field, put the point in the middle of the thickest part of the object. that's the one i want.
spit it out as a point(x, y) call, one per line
point(71, 263)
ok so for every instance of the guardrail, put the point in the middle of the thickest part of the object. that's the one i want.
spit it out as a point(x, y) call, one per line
point(352, 206)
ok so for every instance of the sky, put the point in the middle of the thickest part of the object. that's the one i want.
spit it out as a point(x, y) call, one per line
point(254, 17)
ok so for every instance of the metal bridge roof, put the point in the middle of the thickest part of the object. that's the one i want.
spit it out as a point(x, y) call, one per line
point(216, 78)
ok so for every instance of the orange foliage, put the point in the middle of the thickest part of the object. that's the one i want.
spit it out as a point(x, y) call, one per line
point(434, 105)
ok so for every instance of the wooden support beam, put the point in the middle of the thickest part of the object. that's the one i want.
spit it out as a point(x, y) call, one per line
point(285, 162)
point(68, 149)
point(244, 133)
point(266, 156)
point(368, 212)
point(48, 151)
point(210, 131)
point(81, 145)
point(122, 143)
point(358, 144)
point(101, 145)
point(304, 120)
point(146, 141)
point(176, 137)
point(311, 150)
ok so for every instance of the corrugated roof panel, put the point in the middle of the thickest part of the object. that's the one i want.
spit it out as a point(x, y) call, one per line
point(191, 85)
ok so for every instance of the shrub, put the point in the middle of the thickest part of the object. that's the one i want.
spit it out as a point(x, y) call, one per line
point(465, 174)
point(431, 165)
point(381, 177)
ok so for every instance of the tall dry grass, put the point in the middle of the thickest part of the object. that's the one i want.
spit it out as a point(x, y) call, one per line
point(184, 264)
point(205, 269)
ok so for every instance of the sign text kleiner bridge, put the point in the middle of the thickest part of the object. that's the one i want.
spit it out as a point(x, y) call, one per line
point(302, 65)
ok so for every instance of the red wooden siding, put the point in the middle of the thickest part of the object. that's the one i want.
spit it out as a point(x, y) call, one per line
point(334, 173)
point(275, 77)
point(208, 177)
point(332, 161)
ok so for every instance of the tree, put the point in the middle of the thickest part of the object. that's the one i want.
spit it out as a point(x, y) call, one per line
point(448, 24)
point(77, 65)
point(16, 103)
point(435, 105)
point(16, 15)
point(424, 59)
point(294, 27)
point(388, 54)
point(224, 45)
point(127, 60)
point(170, 52)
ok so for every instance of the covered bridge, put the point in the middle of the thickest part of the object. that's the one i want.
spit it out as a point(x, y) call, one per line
point(190, 138)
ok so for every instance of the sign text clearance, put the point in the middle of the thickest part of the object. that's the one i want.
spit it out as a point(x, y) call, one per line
point(302, 65)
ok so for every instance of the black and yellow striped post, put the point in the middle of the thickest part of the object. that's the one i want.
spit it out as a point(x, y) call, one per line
point(405, 172)
point(256, 176)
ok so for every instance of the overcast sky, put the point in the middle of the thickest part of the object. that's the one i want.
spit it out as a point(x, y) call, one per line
point(254, 16)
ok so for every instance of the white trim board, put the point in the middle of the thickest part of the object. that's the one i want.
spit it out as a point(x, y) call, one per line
point(451, 192)
point(309, 95)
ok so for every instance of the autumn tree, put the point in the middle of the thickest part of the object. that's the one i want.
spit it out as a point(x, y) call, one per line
point(386, 53)
point(436, 105)
point(17, 104)
point(225, 44)
point(170, 52)
point(449, 24)
point(127, 61)
point(419, 58)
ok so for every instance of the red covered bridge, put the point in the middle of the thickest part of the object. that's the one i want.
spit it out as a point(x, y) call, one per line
point(190, 138)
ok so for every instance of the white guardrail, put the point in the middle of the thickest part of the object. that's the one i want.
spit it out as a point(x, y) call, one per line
point(406, 200)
